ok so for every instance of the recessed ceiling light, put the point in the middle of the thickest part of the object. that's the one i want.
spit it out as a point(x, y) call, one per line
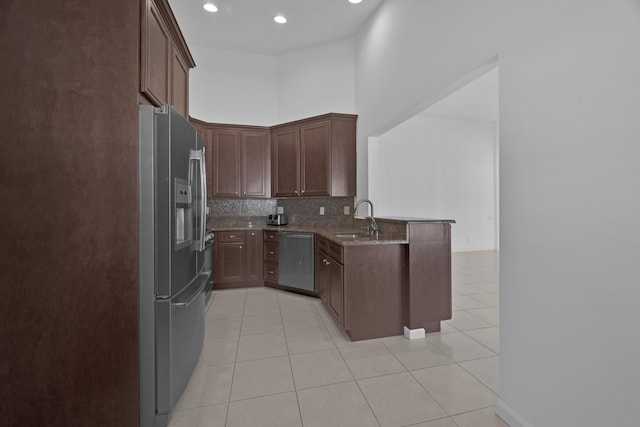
point(280, 19)
point(210, 7)
point(355, 1)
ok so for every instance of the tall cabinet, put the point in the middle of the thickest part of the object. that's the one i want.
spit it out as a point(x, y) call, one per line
point(165, 59)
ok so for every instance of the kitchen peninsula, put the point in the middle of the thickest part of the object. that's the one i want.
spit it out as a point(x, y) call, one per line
point(372, 287)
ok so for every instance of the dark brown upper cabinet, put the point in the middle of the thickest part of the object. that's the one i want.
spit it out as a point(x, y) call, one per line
point(165, 59)
point(315, 157)
point(239, 161)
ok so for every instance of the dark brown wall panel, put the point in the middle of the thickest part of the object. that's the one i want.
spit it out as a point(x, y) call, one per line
point(68, 223)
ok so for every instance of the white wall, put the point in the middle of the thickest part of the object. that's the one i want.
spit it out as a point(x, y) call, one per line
point(570, 204)
point(233, 87)
point(439, 168)
point(408, 53)
point(316, 80)
point(247, 88)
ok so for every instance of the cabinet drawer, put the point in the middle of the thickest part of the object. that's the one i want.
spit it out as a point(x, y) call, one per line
point(332, 249)
point(270, 236)
point(271, 272)
point(230, 236)
point(271, 251)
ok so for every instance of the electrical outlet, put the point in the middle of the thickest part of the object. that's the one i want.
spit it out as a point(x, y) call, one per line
point(347, 210)
point(321, 210)
point(280, 210)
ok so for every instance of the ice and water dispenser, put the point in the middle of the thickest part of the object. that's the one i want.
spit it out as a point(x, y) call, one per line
point(182, 206)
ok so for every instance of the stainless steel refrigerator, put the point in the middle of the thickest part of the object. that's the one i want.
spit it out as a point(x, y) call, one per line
point(173, 271)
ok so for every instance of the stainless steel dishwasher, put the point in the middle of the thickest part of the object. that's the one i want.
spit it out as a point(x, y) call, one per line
point(295, 260)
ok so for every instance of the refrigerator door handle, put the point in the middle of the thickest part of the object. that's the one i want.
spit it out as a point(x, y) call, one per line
point(198, 156)
point(184, 301)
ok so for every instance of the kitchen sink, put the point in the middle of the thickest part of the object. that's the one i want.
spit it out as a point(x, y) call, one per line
point(351, 235)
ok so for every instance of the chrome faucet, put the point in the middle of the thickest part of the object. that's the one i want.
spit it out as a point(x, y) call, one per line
point(373, 228)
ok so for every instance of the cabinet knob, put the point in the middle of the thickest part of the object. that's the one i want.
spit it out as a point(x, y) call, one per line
point(253, 234)
point(295, 191)
point(240, 247)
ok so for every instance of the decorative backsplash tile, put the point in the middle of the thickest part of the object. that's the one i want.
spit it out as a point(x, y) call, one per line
point(301, 211)
point(306, 211)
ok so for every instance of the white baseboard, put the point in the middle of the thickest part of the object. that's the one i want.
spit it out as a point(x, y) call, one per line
point(510, 416)
point(414, 334)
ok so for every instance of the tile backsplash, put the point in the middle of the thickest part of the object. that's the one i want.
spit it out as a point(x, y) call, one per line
point(300, 211)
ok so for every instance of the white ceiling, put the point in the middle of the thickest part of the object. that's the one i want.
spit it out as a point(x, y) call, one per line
point(247, 25)
point(477, 100)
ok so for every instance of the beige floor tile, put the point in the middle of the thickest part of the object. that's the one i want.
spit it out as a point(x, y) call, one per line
point(460, 347)
point(455, 389)
point(490, 299)
point(466, 289)
point(308, 340)
point(463, 321)
point(219, 351)
point(205, 416)
point(481, 418)
point(228, 296)
point(222, 327)
point(442, 422)
point(370, 359)
point(491, 315)
point(209, 385)
point(489, 287)
point(399, 400)
point(261, 377)
point(276, 410)
point(486, 370)
point(319, 368)
point(426, 358)
point(261, 309)
point(260, 346)
point(464, 302)
point(489, 337)
point(336, 405)
point(265, 324)
point(223, 309)
point(301, 319)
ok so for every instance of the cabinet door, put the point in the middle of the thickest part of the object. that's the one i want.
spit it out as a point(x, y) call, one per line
point(179, 83)
point(335, 289)
point(286, 162)
point(225, 169)
point(321, 276)
point(156, 51)
point(255, 164)
point(253, 262)
point(315, 153)
point(230, 265)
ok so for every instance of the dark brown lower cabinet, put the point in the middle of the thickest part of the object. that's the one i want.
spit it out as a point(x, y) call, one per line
point(238, 259)
point(329, 277)
point(270, 253)
point(363, 287)
point(335, 288)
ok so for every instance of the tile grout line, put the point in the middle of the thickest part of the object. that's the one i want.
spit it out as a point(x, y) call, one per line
point(293, 378)
point(233, 374)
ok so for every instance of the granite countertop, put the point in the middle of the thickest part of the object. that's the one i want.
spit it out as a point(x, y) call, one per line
point(413, 219)
point(326, 232)
point(394, 233)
